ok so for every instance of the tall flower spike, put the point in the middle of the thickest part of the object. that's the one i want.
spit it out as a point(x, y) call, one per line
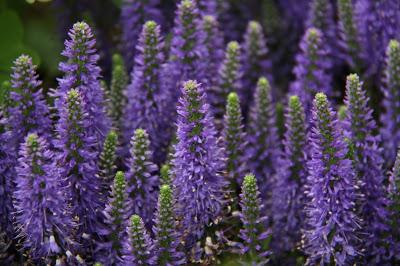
point(322, 17)
point(141, 178)
point(311, 69)
point(139, 249)
point(390, 130)
point(133, 15)
point(349, 33)
point(26, 111)
point(377, 23)
point(165, 231)
point(187, 49)
point(254, 62)
point(165, 175)
point(77, 159)
point(82, 73)
point(360, 129)
point(229, 75)
point(41, 204)
point(197, 163)
point(116, 220)
point(254, 233)
point(234, 142)
point(29, 111)
point(146, 101)
point(262, 137)
point(288, 194)
point(116, 94)
point(214, 45)
point(393, 207)
point(331, 219)
point(107, 161)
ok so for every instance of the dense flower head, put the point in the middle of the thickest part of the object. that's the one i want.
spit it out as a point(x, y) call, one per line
point(360, 130)
point(214, 45)
point(147, 102)
point(198, 162)
point(322, 17)
point(107, 161)
point(390, 130)
point(76, 158)
point(165, 230)
point(229, 75)
point(82, 73)
point(311, 69)
point(142, 179)
point(116, 220)
point(187, 48)
point(349, 33)
point(44, 221)
point(139, 248)
point(133, 15)
point(254, 233)
point(234, 141)
point(262, 136)
point(377, 23)
point(29, 111)
point(393, 208)
point(116, 95)
point(254, 62)
point(288, 194)
point(332, 221)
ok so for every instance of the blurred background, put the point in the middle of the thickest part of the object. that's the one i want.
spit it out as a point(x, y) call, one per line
point(38, 28)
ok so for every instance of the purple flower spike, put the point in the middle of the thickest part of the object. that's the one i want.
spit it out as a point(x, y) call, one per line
point(377, 23)
point(187, 49)
point(165, 230)
point(390, 130)
point(139, 249)
point(254, 61)
point(254, 233)
point(26, 111)
point(262, 135)
point(116, 220)
point(288, 195)
point(394, 207)
point(360, 130)
point(331, 219)
point(146, 106)
point(77, 158)
point(82, 73)
point(311, 69)
point(214, 45)
point(197, 163)
point(142, 180)
point(134, 13)
point(44, 222)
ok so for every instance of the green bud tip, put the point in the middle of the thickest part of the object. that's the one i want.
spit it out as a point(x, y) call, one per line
point(353, 79)
point(165, 190)
point(254, 25)
point(112, 135)
point(117, 59)
point(321, 99)
point(135, 220)
point(312, 34)
point(233, 46)
point(233, 97)
point(190, 86)
point(263, 82)
point(249, 180)
point(23, 60)
point(294, 101)
point(394, 45)
point(119, 178)
point(150, 25)
point(187, 3)
point(208, 19)
point(32, 141)
point(80, 26)
point(73, 94)
point(140, 133)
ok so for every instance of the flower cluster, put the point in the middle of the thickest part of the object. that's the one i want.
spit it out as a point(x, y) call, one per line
point(181, 153)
